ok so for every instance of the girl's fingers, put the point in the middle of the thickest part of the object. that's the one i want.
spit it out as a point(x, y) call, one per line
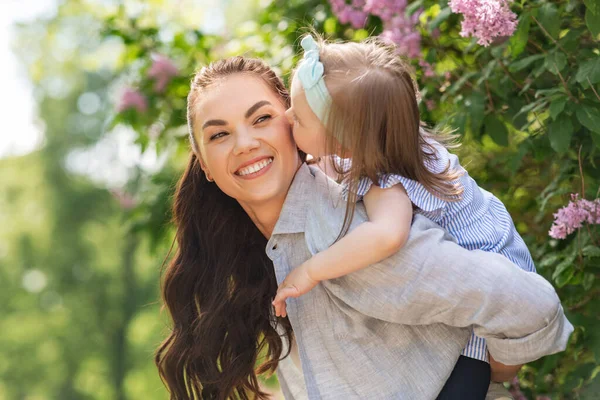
point(279, 302)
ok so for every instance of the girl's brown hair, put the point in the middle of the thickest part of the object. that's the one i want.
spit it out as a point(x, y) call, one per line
point(374, 117)
point(219, 286)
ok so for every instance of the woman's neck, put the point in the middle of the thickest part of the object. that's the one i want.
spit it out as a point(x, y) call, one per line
point(264, 215)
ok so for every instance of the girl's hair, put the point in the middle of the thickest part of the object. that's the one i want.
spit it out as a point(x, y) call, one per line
point(219, 286)
point(374, 116)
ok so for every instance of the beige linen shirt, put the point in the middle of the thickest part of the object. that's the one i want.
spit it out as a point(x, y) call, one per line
point(395, 329)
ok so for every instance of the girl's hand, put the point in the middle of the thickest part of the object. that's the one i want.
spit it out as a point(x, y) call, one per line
point(297, 283)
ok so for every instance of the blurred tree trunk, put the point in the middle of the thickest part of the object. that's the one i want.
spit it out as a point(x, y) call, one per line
point(128, 307)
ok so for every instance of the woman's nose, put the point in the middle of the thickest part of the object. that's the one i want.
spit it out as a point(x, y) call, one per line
point(245, 141)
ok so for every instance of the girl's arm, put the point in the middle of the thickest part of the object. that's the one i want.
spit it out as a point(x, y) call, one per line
point(390, 215)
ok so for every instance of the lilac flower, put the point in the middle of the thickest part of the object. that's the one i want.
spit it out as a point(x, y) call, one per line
point(350, 13)
point(515, 389)
point(401, 30)
point(427, 68)
point(385, 9)
point(574, 215)
point(162, 70)
point(397, 26)
point(131, 98)
point(126, 201)
point(358, 19)
point(485, 19)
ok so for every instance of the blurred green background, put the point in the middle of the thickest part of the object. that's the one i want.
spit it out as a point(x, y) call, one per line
point(87, 173)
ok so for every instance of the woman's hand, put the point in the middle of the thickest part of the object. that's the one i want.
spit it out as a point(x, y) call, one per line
point(297, 283)
point(501, 372)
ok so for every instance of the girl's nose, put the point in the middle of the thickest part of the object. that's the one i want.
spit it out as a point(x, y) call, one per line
point(289, 114)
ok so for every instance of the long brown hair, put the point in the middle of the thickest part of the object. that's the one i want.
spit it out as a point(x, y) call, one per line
point(219, 286)
point(374, 116)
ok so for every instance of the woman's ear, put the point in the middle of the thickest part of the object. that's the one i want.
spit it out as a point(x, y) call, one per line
point(204, 168)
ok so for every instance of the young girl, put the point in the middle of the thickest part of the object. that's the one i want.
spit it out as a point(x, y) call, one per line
point(358, 102)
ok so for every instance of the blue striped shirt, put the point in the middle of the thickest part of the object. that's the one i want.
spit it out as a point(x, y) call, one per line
point(478, 221)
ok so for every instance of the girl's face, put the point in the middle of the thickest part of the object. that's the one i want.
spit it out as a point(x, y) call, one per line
point(309, 132)
point(244, 140)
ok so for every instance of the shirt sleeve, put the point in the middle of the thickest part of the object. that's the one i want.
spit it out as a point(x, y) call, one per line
point(434, 280)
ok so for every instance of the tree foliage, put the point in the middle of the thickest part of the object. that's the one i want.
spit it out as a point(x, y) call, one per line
point(526, 108)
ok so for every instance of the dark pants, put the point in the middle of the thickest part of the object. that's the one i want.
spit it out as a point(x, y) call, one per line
point(469, 380)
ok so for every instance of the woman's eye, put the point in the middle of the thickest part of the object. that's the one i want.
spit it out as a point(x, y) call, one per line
point(218, 135)
point(262, 118)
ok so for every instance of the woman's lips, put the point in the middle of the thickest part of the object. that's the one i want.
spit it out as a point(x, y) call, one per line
point(255, 169)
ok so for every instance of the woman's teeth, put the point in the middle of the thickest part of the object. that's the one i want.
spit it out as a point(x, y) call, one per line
point(257, 166)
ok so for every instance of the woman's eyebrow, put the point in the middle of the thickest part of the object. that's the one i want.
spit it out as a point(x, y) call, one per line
point(255, 107)
point(213, 122)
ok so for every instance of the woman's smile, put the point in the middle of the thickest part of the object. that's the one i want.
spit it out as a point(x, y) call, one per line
point(254, 168)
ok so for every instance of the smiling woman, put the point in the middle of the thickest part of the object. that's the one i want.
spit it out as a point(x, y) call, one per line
point(220, 281)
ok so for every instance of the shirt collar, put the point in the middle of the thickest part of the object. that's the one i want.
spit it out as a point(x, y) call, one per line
point(292, 218)
point(310, 188)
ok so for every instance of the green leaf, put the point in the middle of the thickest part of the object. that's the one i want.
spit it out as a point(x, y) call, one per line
point(555, 62)
point(589, 117)
point(589, 69)
point(564, 265)
point(518, 40)
point(460, 83)
point(549, 260)
point(588, 280)
point(550, 20)
point(413, 7)
point(593, 22)
point(330, 25)
point(496, 129)
point(441, 17)
point(557, 106)
point(591, 251)
point(532, 107)
point(524, 63)
point(571, 41)
point(560, 133)
point(548, 92)
point(593, 6)
point(564, 277)
point(476, 106)
point(487, 71)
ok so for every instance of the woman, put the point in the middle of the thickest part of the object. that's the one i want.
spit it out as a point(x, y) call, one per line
point(393, 330)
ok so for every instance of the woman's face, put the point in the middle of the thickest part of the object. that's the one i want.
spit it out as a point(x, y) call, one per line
point(245, 140)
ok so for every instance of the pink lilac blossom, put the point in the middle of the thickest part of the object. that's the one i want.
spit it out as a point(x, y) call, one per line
point(485, 19)
point(385, 9)
point(427, 68)
point(132, 98)
point(515, 389)
point(430, 104)
point(397, 26)
point(402, 30)
point(350, 13)
point(574, 215)
point(125, 200)
point(162, 71)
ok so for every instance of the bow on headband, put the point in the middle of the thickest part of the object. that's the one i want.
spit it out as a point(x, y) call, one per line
point(310, 72)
